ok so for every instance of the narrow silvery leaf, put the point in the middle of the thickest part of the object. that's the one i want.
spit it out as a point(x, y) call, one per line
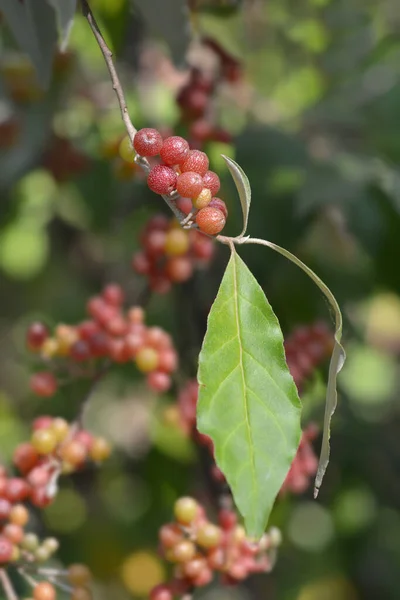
point(248, 402)
point(33, 25)
point(170, 20)
point(243, 187)
point(65, 10)
point(337, 359)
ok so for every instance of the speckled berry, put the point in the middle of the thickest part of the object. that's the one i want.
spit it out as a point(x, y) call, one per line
point(148, 142)
point(174, 150)
point(162, 179)
point(210, 220)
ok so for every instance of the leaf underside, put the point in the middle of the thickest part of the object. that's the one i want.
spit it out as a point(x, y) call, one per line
point(243, 187)
point(248, 403)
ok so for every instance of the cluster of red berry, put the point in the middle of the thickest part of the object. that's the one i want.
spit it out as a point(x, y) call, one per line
point(169, 253)
point(56, 447)
point(18, 546)
point(110, 334)
point(195, 98)
point(304, 465)
point(307, 347)
point(184, 172)
point(199, 549)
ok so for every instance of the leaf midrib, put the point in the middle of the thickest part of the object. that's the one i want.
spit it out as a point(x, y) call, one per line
point(236, 302)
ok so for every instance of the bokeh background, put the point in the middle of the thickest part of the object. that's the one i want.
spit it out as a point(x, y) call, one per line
point(313, 115)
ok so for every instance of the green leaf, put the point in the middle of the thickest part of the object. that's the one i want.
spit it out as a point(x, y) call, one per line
point(243, 187)
point(65, 10)
point(33, 24)
point(337, 359)
point(248, 402)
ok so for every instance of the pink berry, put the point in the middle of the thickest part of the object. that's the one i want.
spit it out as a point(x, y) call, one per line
point(220, 204)
point(196, 161)
point(36, 335)
point(113, 294)
point(189, 184)
point(212, 182)
point(148, 142)
point(174, 150)
point(161, 592)
point(159, 381)
point(6, 551)
point(43, 384)
point(162, 179)
point(210, 220)
point(179, 269)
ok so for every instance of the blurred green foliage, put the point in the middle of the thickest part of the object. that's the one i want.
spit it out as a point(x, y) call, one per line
point(315, 124)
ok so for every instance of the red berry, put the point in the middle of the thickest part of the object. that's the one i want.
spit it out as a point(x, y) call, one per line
point(170, 535)
point(202, 247)
point(159, 381)
point(43, 384)
point(196, 161)
point(17, 490)
point(160, 284)
point(220, 204)
point(40, 497)
point(87, 329)
point(38, 477)
point(210, 220)
point(118, 350)
point(189, 184)
point(155, 243)
point(14, 533)
point(85, 438)
point(80, 351)
point(227, 519)
point(193, 102)
point(162, 179)
point(117, 326)
point(113, 294)
point(43, 422)
point(212, 182)
point(174, 150)
point(168, 360)
point(179, 269)
point(25, 457)
point(201, 130)
point(73, 452)
point(36, 335)
point(99, 344)
point(5, 509)
point(185, 205)
point(141, 263)
point(158, 222)
point(161, 592)
point(6, 550)
point(148, 142)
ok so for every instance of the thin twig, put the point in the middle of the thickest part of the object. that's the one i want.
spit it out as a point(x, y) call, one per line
point(131, 130)
point(7, 586)
point(117, 87)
